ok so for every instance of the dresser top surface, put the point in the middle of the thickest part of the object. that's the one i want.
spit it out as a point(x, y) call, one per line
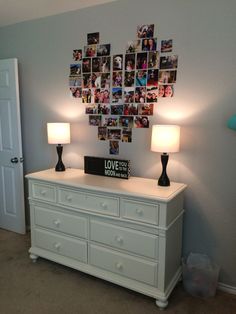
point(134, 186)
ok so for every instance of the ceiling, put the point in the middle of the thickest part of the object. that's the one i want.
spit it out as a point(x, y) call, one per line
point(15, 11)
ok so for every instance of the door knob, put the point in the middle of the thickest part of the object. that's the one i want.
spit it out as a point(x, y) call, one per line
point(14, 160)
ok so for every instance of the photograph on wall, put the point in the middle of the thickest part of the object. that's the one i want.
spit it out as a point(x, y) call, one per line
point(133, 46)
point(145, 109)
point(169, 62)
point(166, 45)
point(126, 121)
point(126, 135)
point(96, 64)
point(130, 62)
point(75, 81)
point(131, 109)
point(90, 51)
point(117, 94)
point(86, 95)
point(87, 80)
point(97, 95)
point(91, 109)
point(105, 64)
point(104, 96)
point(75, 69)
point(117, 62)
point(141, 122)
point(165, 90)
point(129, 79)
point(77, 54)
point(103, 50)
point(114, 134)
point(86, 65)
point(128, 94)
point(110, 121)
point(117, 79)
point(93, 38)
point(103, 109)
point(76, 92)
point(149, 44)
point(140, 95)
point(152, 94)
point(141, 61)
point(106, 80)
point(141, 78)
point(153, 59)
point(152, 77)
point(95, 120)
point(145, 31)
point(102, 133)
point(117, 109)
point(96, 80)
point(101, 95)
point(114, 147)
point(166, 77)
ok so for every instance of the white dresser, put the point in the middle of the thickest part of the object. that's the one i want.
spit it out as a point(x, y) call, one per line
point(128, 232)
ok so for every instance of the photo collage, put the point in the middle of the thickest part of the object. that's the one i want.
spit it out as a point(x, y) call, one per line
point(120, 91)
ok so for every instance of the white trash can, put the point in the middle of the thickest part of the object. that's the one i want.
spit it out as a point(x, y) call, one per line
point(200, 275)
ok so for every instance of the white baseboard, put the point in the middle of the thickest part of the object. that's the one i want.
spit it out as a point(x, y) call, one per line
point(226, 288)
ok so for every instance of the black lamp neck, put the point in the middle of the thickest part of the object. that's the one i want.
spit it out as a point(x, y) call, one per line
point(59, 166)
point(164, 180)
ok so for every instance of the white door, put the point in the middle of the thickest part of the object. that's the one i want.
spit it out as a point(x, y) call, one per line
point(12, 209)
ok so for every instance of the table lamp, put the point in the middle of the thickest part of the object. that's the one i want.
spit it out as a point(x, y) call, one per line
point(165, 139)
point(59, 133)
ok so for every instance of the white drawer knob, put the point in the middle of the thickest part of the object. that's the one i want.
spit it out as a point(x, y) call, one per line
point(139, 211)
point(57, 246)
point(103, 205)
point(119, 266)
point(57, 222)
point(69, 198)
point(43, 192)
point(119, 239)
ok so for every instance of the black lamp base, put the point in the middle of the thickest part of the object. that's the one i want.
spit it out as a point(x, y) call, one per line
point(164, 180)
point(60, 166)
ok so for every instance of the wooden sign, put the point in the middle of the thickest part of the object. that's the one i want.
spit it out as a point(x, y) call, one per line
point(108, 167)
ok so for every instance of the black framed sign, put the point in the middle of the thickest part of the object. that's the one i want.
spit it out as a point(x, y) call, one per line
point(108, 167)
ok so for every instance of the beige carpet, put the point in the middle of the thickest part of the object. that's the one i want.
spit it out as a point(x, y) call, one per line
point(48, 288)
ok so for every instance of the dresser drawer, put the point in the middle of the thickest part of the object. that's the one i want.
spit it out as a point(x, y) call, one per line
point(92, 202)
point(125, 265)
point(68, 247)
point(44, 192)
point(71, 198)
point(136, 242)
point(103, 204)
point(140, 211)
point(67, 223)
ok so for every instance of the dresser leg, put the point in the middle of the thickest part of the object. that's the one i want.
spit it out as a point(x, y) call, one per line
point(161, 304)
point(34, 258)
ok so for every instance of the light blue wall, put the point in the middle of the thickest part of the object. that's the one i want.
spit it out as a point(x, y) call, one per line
point(204, 38)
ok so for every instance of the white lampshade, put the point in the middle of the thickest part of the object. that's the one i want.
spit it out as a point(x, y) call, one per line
point(165, 138)
point(58, 133)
